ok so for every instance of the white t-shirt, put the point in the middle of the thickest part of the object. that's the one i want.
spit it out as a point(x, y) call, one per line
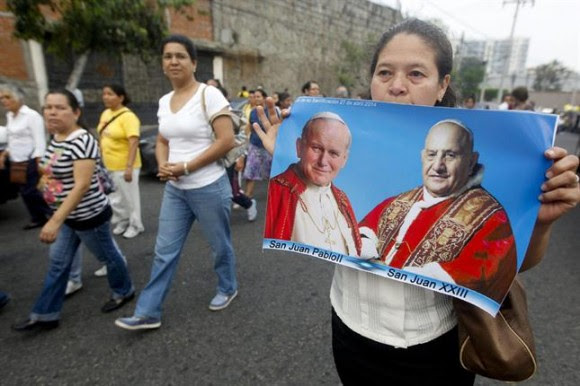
point(190, 134)
point(26, 137)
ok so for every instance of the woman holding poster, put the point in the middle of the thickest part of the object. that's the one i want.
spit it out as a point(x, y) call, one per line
point(389, 332)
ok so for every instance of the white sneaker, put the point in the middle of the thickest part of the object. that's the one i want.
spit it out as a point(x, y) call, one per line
point(101, 272)
point(131, 232)
point(253, 211)
point(236, 206)
point(120, 228)
point(72, 287)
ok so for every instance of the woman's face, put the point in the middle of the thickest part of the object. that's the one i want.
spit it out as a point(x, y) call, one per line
point(59, 116)
point(314, 90)
point(258, 99)
point(176, 62)
point(9, 102)
point(111, 100)
point(407, 73)
point(287, 102)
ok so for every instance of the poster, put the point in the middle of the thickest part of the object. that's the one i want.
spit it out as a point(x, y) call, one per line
point(442, 198)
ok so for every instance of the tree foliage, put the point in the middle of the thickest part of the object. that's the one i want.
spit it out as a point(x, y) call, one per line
point(550, 76)
point(469, 76)
point(77, 27)
point(491, 94)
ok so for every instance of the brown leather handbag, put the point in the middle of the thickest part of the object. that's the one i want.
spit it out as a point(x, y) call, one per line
point(18, 172)
point(502, 347)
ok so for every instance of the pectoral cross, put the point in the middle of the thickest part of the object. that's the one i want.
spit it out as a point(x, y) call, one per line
point(327, 231)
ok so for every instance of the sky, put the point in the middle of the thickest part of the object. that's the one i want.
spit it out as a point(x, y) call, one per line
point(551, 25)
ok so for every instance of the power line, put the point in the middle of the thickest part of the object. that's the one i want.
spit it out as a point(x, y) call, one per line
point(457, 19)
point(511, 42)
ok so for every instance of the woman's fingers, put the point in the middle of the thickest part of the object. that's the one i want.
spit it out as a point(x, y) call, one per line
point(565, 179)
point(563, 162)
point(274, 118)
point(263, 118)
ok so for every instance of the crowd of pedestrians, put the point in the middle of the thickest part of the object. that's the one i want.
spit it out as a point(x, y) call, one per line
point(417, 340)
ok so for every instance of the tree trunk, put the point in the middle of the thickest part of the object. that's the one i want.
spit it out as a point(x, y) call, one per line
point(78, 69)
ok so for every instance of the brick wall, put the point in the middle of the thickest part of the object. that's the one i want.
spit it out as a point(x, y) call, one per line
point(199, 27)
point(12, 62)
point(144, 81)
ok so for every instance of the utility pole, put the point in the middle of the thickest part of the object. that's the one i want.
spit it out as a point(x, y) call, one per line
point(483, 87)
point(574, 88)
point(510, 43)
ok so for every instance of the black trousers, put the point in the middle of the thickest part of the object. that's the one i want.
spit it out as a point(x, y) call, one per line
point(237, 196)
point(37, 207)
point(362, 361)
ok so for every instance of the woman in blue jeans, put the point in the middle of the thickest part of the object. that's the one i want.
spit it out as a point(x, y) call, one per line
point(82, 212)
point(188, 151)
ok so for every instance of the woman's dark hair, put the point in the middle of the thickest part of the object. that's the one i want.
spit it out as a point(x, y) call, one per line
point(119, 91)
point(70, 97)
point(520, 94)
point(262, 92)
point(219, 87)
point(435, 38)
point(72, 102)
point(282, 96)
point(306, 86)
point(184, 41)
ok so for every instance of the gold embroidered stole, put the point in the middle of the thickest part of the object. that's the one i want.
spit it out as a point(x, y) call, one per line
point(392, 217)
point(448, 235)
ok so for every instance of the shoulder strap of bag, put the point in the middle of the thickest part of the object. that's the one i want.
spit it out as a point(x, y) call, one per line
point(204, 108)
point(203, 104)
point(111, 121)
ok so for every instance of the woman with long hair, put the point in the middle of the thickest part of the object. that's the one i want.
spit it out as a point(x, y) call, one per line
point(82, 213)
point(190, 144)
point(119, 131)
point(119, 139)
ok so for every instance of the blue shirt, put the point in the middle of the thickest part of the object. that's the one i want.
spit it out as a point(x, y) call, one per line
point(254, 139)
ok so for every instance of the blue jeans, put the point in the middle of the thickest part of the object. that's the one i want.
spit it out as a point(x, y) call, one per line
point(210, 205)
point(100, 242)
point(76, 268)
point(3, 296)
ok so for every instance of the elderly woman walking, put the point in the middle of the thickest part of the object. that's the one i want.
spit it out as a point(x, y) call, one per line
point(26, 144)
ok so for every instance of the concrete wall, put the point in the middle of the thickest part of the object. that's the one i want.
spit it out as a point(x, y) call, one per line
point(284, 43)
point(279, 44)
point(554, 99)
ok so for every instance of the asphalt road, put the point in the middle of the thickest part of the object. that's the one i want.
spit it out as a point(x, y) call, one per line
point(277, 332)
